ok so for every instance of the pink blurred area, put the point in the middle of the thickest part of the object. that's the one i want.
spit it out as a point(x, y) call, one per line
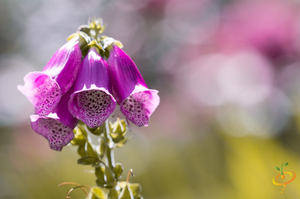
point(268, 26)
point(228, 78)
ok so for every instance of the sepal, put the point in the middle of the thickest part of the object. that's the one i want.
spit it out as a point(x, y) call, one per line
point(118, 131)
point(97, 193)
point(134, 188)
point(79, 136)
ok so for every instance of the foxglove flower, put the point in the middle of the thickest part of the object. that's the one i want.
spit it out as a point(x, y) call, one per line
point(44, 89)
point(136, 101)
point(92, 102)
point(57, 127)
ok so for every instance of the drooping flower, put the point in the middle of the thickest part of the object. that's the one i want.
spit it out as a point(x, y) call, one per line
point(92, 102)
point(136, 101)
point(57, 127)
point(44, 89)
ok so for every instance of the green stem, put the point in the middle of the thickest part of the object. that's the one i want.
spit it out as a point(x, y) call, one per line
point(109, 147)
point(281, 169)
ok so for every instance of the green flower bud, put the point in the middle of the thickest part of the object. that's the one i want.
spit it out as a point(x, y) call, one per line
point(79, 136)
point(97, 193)
point(126, 193)
point(118, 130)
point(88, 154)
point(98, 130)
point(118, 170)
point(102, 148)
point(113, 194)
point(135, 188)
point(105, 177)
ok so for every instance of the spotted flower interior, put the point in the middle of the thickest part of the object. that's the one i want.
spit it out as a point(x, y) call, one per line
point(93, 107)
point(139, 106)
point(57, 134)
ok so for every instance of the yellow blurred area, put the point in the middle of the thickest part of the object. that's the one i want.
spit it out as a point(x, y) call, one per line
point(213, 165)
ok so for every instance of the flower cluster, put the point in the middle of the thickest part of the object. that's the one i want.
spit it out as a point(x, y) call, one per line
point(85, 80)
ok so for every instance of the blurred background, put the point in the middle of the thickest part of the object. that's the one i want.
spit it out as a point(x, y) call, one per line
point(228, 74)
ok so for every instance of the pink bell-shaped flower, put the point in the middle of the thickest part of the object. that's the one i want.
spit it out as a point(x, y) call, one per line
point(136, 101)
point(44, 89)
point(57, 127)
point(92, 102)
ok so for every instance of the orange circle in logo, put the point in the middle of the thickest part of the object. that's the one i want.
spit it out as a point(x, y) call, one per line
point(292, 175)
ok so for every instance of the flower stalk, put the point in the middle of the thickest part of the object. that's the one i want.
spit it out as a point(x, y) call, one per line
point(108, 173)
point(109, 147)
point(74, 97)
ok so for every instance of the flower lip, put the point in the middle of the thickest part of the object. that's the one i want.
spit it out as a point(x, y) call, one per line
point(92, 106)
point(139, 105)
point(42, 91)
point(57, 134)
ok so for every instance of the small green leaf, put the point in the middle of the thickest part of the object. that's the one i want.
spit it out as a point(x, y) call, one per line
point(87, 160)
point(88, 155)
point(90, 150)
point(277, 168)
point(79, 136)
point(102, 148)
point(100, 172)
point(285, 164)
point(81, 151)
point(105, 185)
point(105, 177)
point(122, 142)
point(118, 170)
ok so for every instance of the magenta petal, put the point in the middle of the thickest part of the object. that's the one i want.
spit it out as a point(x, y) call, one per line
point(92, 102)
point(137, 102)
point(64, 64)
point(57, 127)
point(44, 89)
point(124, 74)
point(140, 105)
